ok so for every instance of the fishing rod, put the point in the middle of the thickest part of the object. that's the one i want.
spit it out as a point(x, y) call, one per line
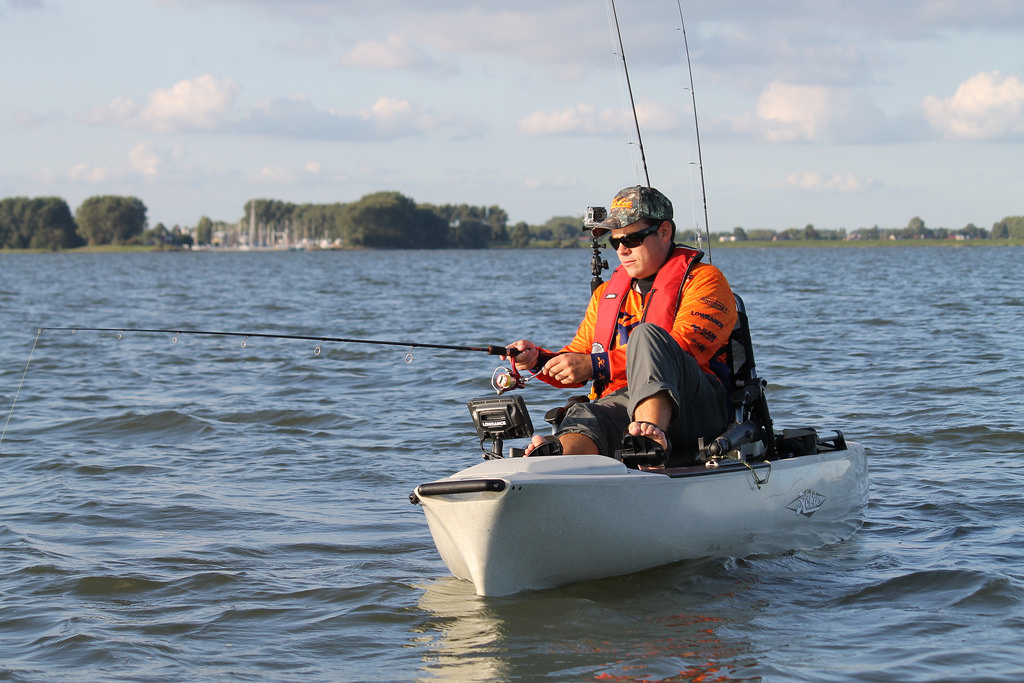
point(629, 88)
point(502, 379)
point(492, 350)
point(696, 125)
point(696, 128)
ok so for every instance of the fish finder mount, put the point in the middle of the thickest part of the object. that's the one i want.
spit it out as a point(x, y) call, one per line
point(497, 418)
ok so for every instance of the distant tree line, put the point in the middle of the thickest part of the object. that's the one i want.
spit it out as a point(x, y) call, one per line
point(379, 220)
point(47, 223)
point(1011, 227)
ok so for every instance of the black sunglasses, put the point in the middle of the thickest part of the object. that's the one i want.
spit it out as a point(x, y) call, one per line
point(633, 239)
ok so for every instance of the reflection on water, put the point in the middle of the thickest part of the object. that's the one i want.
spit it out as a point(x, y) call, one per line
point(658, 625)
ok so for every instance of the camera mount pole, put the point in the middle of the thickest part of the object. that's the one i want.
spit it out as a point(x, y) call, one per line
point(597, 264)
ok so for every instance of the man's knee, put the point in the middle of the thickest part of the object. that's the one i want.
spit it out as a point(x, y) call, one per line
point(648, 336)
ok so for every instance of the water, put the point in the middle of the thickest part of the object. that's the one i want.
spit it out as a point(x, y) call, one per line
point(200, 510)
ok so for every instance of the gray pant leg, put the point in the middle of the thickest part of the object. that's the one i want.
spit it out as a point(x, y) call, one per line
point(603, 421)
point(655, 363)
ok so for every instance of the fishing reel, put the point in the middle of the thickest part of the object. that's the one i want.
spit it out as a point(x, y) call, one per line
point(507, 379)
point(498, 418)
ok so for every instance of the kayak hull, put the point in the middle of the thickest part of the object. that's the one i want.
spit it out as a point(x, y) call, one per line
point(517, 524)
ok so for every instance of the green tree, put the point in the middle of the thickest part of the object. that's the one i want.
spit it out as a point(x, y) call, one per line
point(497, 218)
point(204, 231)
point(181, 238)
point(1011, 226)
point(455, 215)
point(469, 234)
point(562, 229)
point(915, 229)
point(315, 222)
point(520, 235)
point(157, 235)
point(390, 220)
point(111, 219)
point(40, 223)
point(740, 234)
point(972, 231)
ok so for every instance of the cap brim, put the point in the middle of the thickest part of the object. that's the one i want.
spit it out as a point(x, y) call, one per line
point(605, 227)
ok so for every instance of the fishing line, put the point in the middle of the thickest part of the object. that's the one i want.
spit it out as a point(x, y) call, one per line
point(623, 98)
point(629, 88)
point(696, 127)
point(696, 124)
point(18, 392)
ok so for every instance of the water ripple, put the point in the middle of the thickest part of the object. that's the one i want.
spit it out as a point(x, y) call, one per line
point(193, 509)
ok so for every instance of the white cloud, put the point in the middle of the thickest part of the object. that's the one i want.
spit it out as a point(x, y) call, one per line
point(274, 175)
point(583, 119)
point(987, 106)
point(145, 159)
point(89, 174)
point(586, 119)
point(388, 118)
point(29, 119)
point(788, 113)
point(841, 182)
point(399, 116)
point(279, 174)
point(198, 104)
point(203, 104)
point(396, 52)
point(538, 32)
point(793, 112)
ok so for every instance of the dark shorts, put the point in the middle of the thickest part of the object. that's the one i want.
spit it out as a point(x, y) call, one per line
point(654, 363)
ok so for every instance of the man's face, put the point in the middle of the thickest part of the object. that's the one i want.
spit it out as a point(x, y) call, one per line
point(644, 259)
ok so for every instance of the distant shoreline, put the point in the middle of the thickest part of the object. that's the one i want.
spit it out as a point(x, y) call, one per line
point(867, 243)
point(746, 244)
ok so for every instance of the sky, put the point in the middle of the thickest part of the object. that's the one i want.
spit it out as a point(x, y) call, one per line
point(836, 113)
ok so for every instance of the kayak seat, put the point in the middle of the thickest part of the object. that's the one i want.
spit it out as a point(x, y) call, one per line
point(750, 433)
point(555, 416)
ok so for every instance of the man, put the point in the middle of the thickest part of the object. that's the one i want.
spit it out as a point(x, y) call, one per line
point(647, 343)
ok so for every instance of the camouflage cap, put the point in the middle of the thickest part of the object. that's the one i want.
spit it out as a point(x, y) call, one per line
point(635, 203)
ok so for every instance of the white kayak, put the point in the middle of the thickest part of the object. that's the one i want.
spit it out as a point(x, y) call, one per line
point(515, 524)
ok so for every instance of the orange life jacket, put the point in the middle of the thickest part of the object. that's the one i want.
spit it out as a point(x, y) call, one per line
point(663, 299)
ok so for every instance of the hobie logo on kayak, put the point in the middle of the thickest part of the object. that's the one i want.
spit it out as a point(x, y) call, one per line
point(807, 503)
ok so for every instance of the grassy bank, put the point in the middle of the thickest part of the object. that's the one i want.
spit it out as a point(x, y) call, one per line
point(758, 244)
point(95, 249)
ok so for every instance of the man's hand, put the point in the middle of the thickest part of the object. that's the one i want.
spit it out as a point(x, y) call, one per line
point(570, 368)
point(527, 356)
